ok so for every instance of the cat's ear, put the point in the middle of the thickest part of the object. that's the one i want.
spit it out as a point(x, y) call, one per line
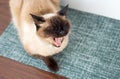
point(63, 11)
point(37, 19)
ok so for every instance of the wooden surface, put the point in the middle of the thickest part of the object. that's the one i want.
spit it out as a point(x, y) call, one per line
point(11, 69)
point(4, 15)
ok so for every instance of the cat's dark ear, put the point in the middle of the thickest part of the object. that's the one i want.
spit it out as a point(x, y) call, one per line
point(63, 11)
point(37, 19)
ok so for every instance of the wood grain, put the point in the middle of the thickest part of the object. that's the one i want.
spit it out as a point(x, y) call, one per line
point(4, 15)
point(10, 69)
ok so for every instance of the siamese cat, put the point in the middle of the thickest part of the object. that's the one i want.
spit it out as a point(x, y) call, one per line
point(43, 28)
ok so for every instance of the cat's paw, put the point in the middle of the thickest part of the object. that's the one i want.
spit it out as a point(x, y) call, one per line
point(51, 64)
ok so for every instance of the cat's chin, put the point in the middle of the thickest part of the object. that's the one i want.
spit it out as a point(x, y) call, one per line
point(57, 41)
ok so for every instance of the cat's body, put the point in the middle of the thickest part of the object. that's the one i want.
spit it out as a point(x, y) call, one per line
point(35, 31)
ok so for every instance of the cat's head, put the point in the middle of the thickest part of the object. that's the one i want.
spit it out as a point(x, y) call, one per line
point(53, 27)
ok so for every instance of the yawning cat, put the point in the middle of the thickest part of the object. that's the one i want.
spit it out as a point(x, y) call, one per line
point(43, 28)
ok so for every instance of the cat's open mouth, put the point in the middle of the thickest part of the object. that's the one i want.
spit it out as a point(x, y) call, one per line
point(58, 41)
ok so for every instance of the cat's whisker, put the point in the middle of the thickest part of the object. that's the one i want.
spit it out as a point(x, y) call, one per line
point(74, 36)
point(74, 29)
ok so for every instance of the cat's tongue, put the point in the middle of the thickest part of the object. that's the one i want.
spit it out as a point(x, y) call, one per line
point(58, 41)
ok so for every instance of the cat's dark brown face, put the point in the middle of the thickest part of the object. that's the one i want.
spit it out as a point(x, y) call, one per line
point(53, 27)
point(58, 27)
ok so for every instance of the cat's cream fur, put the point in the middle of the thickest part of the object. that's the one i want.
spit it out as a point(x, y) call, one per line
point(20, 10)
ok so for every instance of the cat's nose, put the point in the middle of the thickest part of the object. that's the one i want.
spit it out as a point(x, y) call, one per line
point(62, 32)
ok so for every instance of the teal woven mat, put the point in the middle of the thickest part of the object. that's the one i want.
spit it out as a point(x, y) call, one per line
point(93, 51)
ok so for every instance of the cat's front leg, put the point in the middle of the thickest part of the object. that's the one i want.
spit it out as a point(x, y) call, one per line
point(50, 62)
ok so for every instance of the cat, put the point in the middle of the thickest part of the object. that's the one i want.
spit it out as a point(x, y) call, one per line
point(42, 27)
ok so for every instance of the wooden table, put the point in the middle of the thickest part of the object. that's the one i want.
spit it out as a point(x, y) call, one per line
point(10, 69)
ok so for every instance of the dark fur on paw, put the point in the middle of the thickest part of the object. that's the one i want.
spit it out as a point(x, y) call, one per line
point(51, 63)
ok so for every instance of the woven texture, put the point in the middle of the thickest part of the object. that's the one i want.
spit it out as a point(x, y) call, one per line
point(93, 51)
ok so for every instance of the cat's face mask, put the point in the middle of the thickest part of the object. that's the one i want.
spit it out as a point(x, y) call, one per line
point(53, 27)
